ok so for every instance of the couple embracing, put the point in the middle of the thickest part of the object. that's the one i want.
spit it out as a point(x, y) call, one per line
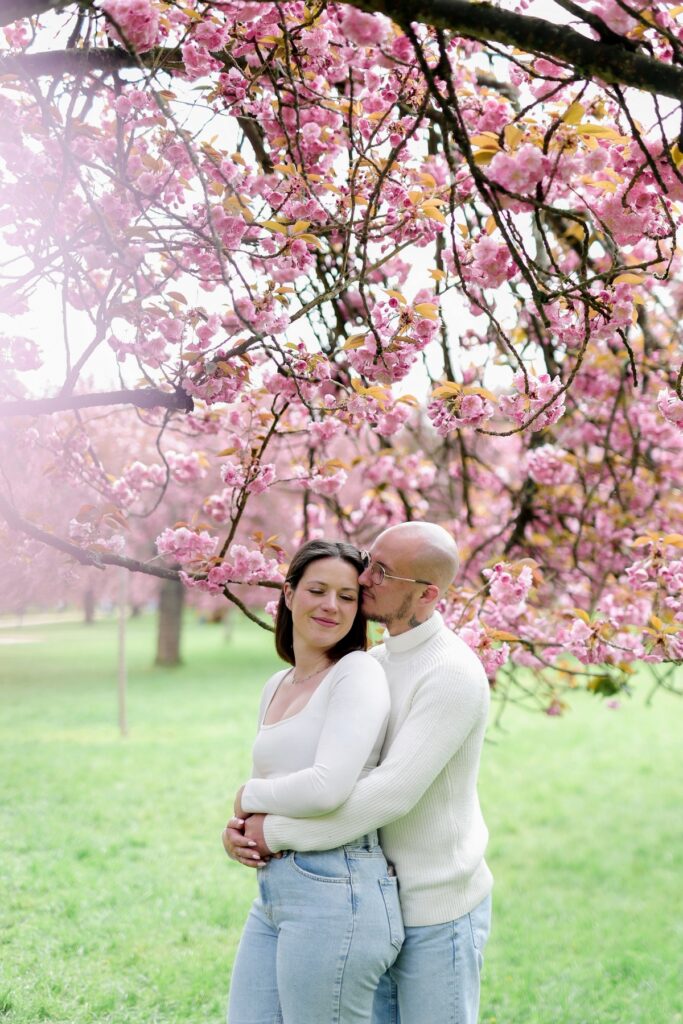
point(345, 930)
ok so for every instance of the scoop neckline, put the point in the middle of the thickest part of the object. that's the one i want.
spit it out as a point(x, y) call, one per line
point(288, 718)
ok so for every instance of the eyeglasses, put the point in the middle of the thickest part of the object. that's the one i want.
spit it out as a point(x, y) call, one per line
point(378, 573)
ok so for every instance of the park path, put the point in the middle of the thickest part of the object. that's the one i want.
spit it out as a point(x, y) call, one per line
point(18, 625)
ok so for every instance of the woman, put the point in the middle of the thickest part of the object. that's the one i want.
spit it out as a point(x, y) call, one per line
point(327, 925)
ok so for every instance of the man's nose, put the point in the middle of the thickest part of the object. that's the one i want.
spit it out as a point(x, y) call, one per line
point(364, 578)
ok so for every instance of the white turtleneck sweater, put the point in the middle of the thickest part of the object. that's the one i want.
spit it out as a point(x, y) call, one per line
point(423, 795)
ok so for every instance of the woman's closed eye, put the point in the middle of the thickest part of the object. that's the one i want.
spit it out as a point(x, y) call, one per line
point(342, 597)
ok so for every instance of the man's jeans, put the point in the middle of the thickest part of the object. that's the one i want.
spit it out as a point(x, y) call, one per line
point(324, 930)
point(436, 975)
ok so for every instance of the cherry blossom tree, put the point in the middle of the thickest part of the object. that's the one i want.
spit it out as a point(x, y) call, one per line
point(370, 263)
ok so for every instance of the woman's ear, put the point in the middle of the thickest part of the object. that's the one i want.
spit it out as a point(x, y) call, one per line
point(288, 590)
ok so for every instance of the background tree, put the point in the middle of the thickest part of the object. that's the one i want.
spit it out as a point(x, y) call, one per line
point(271, 214)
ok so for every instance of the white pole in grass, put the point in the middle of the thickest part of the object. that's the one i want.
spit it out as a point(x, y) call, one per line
point(123, 671)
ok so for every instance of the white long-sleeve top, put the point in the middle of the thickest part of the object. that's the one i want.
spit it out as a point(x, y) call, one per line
point(308, 763)
point(423, 795)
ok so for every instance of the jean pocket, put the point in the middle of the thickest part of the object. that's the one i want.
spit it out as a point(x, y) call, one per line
point(321, 867)
point(389, 890)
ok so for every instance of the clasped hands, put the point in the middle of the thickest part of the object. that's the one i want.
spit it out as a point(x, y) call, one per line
point(243, 838)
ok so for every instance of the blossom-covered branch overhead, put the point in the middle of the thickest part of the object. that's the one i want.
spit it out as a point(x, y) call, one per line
point(348, 268)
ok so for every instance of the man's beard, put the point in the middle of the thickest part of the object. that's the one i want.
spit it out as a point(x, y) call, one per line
point(387, 618)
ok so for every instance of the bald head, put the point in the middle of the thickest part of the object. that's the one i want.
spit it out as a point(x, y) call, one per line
point(428, 549)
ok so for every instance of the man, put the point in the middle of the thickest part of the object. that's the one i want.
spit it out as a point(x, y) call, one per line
point(423, 795)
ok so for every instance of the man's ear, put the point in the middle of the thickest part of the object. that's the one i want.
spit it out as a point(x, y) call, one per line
point(430, 593)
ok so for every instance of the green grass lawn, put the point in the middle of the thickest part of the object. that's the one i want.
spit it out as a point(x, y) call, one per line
point(119, 906)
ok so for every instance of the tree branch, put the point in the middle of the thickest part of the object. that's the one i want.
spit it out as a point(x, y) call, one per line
point(98, 559)
point(143, 398)
point(12, 10)
point(78, 62)
point(247, 611)
point(613, 61)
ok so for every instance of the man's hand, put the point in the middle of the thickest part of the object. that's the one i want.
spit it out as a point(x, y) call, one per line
point(253, 830)
point(244, 848)
point(238, 810)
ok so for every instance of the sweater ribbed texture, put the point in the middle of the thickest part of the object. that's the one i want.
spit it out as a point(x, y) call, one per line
point(423, 795)
point(308, 763)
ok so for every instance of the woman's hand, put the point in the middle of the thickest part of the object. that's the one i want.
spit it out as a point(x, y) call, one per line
point(241, 848)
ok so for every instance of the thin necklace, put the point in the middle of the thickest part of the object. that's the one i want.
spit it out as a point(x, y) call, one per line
point(297, 682)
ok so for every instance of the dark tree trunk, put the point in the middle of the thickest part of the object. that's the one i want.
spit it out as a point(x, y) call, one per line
point(170, 621)
point(89, 606)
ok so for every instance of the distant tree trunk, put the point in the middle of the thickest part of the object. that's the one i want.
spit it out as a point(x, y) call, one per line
point(170, 621)
point(89, 606)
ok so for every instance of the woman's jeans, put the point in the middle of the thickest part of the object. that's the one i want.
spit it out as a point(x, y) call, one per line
point(325, 928)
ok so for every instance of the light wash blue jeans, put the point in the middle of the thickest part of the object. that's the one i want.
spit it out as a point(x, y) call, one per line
point(325, 928)
point(436, 975)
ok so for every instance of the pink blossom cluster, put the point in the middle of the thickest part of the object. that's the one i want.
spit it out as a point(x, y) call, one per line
point(586, 641)
point(539, 402)
point(624, 608)
point(658, 574)
point(261, 316)
point(325, 430)
point(665, 647)
point(135, 479)
point(326, 482)
point(22, 354)
point(670, 406)
point(94, 534)
point(389, 418)
point(381, 508)
point(244, 474)
point(261, 477)
point(18, 35)
point(550, 466)
point(613, 15)
point(489, 264)
point(186, 546)
point(198, 60)
point(216, 380)
point(520, 171)
point(138, 21)
point(410, 472)
point(242, 565)
point(364, 29)
point(187, 467)
point(462, 410)
point(388, 351)
point(671, 575)
point(130, 103)
point(151, 349)
point(386, 415)
point(493, 656)
point(218, 506)
point(509, 584)
point(312, 521)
